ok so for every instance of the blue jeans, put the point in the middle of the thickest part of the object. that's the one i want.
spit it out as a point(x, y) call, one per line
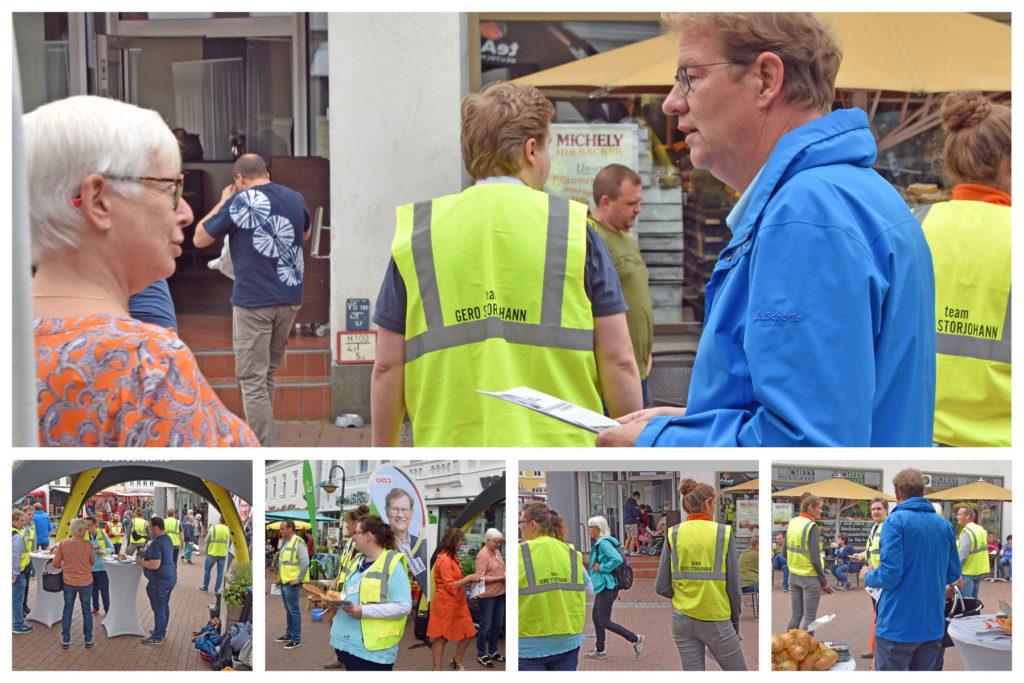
point(839, 571)
point(972, 585)
point(353, 663)
point(160, 601)
point(290, 595)
point(492, 618)
point(84, 594)
point(779, 563)
point(1008, 573)
point(101, 589)
point(893, 656)
point(643, 391)
point(207, 565)
point(563, 661)
point(19, 590)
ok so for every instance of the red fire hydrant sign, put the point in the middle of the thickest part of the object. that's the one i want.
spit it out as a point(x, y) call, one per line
point(357, 347)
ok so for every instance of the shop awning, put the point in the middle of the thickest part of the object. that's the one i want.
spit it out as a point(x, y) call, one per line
point(748, 486)
point(276, 526)
point(298, 515)
point(927, 52)
point(978, 490)
point(834, 488)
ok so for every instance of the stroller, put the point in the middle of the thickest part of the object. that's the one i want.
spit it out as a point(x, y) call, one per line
point(651, 544)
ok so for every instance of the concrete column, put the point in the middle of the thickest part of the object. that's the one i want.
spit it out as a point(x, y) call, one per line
point(397, 80)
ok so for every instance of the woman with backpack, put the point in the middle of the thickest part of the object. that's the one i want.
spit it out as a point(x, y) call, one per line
point(706, 605)
point(605, 559)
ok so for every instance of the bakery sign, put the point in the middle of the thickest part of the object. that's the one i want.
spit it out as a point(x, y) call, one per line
point(580, 150)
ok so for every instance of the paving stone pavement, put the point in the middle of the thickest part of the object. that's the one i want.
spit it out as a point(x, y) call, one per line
point(643, 611)
point(41, 651)
point(316, 649)
point(853, 623)
point(310, 433)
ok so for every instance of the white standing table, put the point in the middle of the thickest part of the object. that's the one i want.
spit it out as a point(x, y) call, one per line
point(980, 648)
point(123, 617)
point(47, 608)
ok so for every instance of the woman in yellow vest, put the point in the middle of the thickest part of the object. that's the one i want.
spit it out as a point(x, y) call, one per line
point(871, 558)
point(377, 599)
point(115, 532)
point(805, 556)
point(552, 609)
point(700, 573)
point(970, 242)
point(348, 551)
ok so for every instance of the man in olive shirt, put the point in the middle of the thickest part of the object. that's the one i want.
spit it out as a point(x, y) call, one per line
point(617, 195)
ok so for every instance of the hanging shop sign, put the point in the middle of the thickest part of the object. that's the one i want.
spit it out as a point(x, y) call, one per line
point(580, 150)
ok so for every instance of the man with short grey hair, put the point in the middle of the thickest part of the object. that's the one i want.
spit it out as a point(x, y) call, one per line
point(267, 224)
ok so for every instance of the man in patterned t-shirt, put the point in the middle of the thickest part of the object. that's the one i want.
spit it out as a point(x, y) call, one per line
point(267, 223)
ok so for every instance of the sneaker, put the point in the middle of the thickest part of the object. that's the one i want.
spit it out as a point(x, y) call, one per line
point(496, 657)
point(292, 644)
point(65, 644)
point(334, 665)
point(88, 645)
point(594, 654)
point(95, 610)
point(485, 661)
point(153, 641)
point(282, 639)
point(202, 590)
point(867, 655)
point(24, 628)
point(638, 646)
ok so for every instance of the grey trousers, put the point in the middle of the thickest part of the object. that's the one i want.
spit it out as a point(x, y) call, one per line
point(692, 636)
point(804, 596)
point(259, 337)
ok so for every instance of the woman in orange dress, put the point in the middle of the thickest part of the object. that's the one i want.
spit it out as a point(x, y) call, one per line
point(449, 610)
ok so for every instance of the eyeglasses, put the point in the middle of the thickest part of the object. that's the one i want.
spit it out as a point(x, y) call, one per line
point(404, 512)
point(683, 74)
point(179, 186)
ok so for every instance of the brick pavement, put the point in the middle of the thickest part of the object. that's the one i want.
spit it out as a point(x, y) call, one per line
point(316, 647)
point(326, 434)
point(643, 611)
point(853, 623)
point(40, 650)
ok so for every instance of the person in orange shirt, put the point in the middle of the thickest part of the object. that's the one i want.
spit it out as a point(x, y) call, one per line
point(449, 612)
point(74, 557)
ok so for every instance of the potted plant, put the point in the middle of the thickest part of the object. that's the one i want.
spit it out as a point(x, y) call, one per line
point(236, 590)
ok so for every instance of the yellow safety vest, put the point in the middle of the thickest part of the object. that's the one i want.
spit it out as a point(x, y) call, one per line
point(173, 529)
point(288, 561)
point(348, 557)
point(101, 540)
point(217, 545)
point(116, 533)
point(798, 553)
point(378, 634)
point(697, 551)
point(138, 534)
point(977, 561)
point(495, 300)
point(552, 591)
point(970, 245)
point(874, 543)
point(25, 559)
point(28, 532)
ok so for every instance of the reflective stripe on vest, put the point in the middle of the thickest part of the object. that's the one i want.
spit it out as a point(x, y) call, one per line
point(695, 547)
point(798, 552)
point(380, 634)
point(218, 541)
point(496, 298)
point(552, 594)
point(25, 559)
point(138, 531)
point(874, 543)
point(288, 563)
point(29, 534)
point(173, 529)
point(970, 243)
point(977, 560)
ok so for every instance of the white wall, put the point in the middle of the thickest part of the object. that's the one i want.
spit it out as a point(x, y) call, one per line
point(397, 80)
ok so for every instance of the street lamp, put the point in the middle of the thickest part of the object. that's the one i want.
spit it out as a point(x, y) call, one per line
point(330, 487)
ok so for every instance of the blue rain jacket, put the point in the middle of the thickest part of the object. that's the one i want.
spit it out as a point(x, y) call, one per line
point(819, 325)
point(605, 552)
point(919, 558)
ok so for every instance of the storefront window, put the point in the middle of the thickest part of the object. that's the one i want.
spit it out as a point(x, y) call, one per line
point(43, 62)
point(316, 42)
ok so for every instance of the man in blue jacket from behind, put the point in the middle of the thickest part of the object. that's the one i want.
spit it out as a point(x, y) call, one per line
point(919, 559)
point(819, 316)
point(43, 526)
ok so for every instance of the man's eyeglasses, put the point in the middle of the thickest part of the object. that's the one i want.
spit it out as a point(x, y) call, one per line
point(683, 74)
point(179, 185)
point(404, 512)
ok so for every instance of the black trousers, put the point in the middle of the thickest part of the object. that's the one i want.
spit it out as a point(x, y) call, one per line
point(602, 616)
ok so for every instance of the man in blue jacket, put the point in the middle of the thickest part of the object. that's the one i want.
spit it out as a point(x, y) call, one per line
point(819, 316)
point(42, 522)
point(919, 559)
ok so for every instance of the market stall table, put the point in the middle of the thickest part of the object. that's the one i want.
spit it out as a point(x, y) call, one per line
point(981, 648)
point(123, 617)
point(47, 608)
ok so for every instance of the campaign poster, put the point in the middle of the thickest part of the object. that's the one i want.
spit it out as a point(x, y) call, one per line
point(580, 150)
point(395, 497)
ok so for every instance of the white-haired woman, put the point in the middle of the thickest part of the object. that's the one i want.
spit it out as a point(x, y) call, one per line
point(105, 184)
point(74, 556)
point(491, 620)
point(604, 558)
